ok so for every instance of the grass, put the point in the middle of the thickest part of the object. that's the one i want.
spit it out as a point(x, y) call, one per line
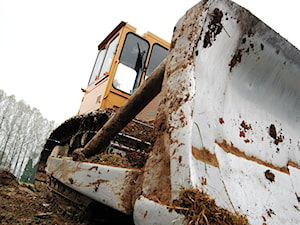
point(200, 209)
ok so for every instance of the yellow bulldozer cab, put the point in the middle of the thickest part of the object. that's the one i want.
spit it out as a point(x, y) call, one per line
point(123, 63)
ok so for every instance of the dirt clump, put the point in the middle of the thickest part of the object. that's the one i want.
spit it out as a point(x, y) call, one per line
point(199, 208)
point(23, 204)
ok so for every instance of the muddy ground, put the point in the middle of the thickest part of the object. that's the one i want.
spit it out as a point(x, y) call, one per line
point(22, 204)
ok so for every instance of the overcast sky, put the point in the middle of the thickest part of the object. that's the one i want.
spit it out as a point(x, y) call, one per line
point(48, 47)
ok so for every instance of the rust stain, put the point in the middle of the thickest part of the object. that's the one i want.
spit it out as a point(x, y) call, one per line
point(94, 167)
point(245, 126)
point(145, 214)
point(293, 164)
point(242, 134)
point(96, 184)
point(270, 212)
point(247, 141)
point(237, 58)
point(210, 158)
point(180, 159)
point(298, 197)
point(235, 151)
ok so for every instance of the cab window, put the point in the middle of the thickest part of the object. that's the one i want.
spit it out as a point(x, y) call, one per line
point(158, 54)
point(103, 61)
point(97, 66)
point(131, 64)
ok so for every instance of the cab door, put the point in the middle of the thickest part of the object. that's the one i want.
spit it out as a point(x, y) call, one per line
point(98, 82)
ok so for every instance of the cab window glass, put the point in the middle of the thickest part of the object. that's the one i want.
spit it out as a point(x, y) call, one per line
point(111, 50)
point(97, 66)
point(158, 54)
point(131, 63)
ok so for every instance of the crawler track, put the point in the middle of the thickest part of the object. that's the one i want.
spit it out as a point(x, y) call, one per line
point(72, 134)
point(132, 143)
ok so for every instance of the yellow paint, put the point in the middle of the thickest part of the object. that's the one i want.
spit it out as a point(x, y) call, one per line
point(102, 90)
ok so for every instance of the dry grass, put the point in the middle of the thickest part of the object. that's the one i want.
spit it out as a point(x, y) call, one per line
point(199, 208)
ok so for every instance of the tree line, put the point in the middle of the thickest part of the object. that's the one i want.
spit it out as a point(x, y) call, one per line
point(23, 132)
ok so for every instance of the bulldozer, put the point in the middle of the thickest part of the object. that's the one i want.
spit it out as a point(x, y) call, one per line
point(213, 117)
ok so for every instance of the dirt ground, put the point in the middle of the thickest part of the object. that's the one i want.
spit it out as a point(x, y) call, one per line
point(22, 204)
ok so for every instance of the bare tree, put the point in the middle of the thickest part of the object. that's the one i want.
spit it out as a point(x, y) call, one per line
point(23, 132)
